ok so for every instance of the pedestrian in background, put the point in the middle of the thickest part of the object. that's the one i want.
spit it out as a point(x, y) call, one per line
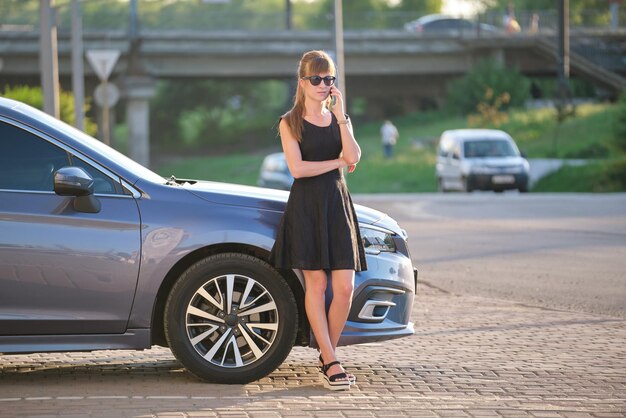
point(389, 134)
point(319, 232)
point(533, 27)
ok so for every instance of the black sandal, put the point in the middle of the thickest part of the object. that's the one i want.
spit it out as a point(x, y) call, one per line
point(337, 381)
point(351, 377)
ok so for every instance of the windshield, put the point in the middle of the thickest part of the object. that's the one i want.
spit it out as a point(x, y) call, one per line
point(489, 148)
point(105, 150)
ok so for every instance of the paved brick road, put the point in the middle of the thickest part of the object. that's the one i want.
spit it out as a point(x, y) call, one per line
point(470, 357)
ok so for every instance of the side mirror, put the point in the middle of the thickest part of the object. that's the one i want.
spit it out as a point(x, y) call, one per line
point(74, 181)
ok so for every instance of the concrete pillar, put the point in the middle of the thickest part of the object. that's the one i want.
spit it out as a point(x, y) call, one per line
point(499, 57)
point(339, 50)
point(78, 82)
point(48, 59)
point(614, 14)
point(138, 90)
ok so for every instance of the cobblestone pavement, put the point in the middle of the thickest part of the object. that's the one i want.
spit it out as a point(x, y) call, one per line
point(470, 356)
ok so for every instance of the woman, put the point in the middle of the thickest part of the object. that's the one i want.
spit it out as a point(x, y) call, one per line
point(319, 230)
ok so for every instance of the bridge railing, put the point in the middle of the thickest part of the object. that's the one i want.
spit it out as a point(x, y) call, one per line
point(546, 21)
point(209, 16)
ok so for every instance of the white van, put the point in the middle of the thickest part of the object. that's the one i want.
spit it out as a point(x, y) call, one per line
point(480, 159)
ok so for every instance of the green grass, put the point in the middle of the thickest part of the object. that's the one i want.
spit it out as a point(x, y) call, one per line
point(587, 135)
point(237, 168)
point(412, 169)
point(600, 176)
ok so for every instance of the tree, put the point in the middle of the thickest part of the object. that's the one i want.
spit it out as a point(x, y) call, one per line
point(619, 128)
point(187, 115)
point(19, 12)
point(490, 86)
point(33, 96)
point(581, 11)
point(425, 6)
point(378, 14)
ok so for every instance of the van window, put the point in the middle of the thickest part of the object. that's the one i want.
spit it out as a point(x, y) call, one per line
point(488, 148)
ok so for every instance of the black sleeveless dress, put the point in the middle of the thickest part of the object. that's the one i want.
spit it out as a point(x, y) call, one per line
point(319, 229)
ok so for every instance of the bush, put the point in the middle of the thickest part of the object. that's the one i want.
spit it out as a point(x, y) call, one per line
point(187, 116)
point(616, 173)
point(33, 96)
point(619, 127)
point(467, 93)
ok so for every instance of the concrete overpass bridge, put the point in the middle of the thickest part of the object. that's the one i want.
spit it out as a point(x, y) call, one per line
point(384, 65)
point(390, 69)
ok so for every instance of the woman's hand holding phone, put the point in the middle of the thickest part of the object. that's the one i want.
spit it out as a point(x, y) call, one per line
point(333, 101)
point(336, 104)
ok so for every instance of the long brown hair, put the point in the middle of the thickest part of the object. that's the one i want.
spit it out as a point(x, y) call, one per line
point(311, 63)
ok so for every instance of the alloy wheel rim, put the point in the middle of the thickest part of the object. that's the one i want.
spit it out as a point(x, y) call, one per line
point(232, 320)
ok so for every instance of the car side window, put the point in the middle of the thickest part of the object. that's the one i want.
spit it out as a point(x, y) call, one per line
point(466, 25)
point(28, 162)
point(102, 183)
point(440, 25)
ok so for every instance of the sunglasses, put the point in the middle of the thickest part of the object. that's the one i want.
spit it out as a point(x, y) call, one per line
point(315, 80)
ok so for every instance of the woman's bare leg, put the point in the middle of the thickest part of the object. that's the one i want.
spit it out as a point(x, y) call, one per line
point(315, 305)
point(343, 288)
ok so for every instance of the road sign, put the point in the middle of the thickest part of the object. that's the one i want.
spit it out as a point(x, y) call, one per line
point(102, 61)
point(106, 98)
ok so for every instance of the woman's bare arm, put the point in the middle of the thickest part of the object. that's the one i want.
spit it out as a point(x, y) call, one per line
point(297, 166)
point(351, 150)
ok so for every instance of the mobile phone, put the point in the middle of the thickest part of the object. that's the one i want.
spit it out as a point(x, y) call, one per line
point(333, 101)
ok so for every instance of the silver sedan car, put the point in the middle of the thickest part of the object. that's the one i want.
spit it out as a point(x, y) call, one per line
point(274, 172)
point(98, 252)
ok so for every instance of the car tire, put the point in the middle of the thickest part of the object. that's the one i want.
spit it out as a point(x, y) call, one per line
point(209, 315)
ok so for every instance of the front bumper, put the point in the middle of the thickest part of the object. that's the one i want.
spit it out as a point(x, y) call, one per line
point(494, 181)
point(382, 301)
point(380, 311)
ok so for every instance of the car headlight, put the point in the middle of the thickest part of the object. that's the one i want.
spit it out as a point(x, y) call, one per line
point(377, 240)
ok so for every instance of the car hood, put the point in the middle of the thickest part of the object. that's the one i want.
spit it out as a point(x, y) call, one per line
point(270, 199)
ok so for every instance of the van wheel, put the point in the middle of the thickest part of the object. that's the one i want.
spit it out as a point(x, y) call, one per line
point(231, 318)
point(465, 185)
point(440, 187)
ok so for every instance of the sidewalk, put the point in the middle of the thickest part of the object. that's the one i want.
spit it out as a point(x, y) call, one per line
point(469, 357)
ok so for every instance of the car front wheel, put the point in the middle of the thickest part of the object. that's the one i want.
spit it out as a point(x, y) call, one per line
point(231, 318)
